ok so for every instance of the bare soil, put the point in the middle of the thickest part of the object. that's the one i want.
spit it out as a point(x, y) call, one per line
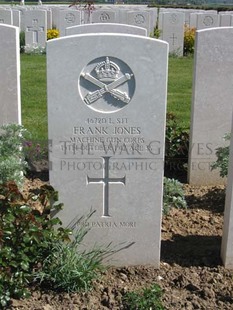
point(191, 274)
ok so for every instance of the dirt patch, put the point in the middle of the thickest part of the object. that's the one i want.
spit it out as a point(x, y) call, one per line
point(191, 274)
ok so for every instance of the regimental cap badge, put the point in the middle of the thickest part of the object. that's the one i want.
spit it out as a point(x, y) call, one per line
point(107, 71)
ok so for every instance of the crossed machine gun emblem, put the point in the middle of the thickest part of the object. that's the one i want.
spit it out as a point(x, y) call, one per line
point(107, 71)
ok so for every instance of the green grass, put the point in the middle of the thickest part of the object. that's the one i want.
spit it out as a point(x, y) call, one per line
point(33, 89)
point(180, 89)
point(33, 95)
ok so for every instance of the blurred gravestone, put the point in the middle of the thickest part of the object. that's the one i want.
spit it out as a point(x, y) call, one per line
point(6, 17)
point(212, 102)
point(172, 31)
point(109, 28)
point(10, 105)
point(36, 28)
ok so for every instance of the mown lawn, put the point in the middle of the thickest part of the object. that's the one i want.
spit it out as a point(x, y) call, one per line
point(180, 74)
point(33, 95)
point(33, 90)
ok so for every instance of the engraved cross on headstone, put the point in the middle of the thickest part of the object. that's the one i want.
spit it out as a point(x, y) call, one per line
point(70, 18)
point(106, 180)
point(173, 39)
point(35, 29)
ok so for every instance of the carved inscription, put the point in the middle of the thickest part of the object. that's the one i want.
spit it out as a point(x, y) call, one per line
point(105, 150)
point(106, 180)
point(70, 18)
point(109, 224)
point(107, 85)
point(104, 17)
point(108, 136)
point(139, 19)
point(34, 22)
point(35, 29)
point(173, 39)
point(208, 21)
point(173, 18)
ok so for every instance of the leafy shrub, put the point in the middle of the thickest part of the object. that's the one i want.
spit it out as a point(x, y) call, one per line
point(26, 236)
point(12, 164)
point(146, 299)
point(176, 145)
point(222, 161)
point(52, 34)
point(22, 41)
point(173, 195)
point(69, 269)
point(189, 40)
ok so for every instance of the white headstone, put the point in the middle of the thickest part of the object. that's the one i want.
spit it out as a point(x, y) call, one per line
point(55, 12)
point(227, 238)
point(16, 18)
point(67, 18)
point(49, 19)
point(22, 10)
point(103, 16)
point(106, 117)
point(212, 102)
point(207, 20)
point(10, 105)
point(36, 28)
point(109, 28)
point(139, 18)
point(172, 31)
point(193, 20)
point(226, 20)
point(6, 17)
point(48, 16)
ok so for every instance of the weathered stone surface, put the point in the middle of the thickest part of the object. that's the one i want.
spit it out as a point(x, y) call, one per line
point(106, 116)
point(10, 104)
point(108, 28)
point(212, 102)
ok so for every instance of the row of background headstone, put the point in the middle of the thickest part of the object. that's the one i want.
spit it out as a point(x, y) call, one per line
point(209, 49)
point(36, 20)
point(211, 108)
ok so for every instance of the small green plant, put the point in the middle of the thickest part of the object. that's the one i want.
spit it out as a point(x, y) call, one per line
point(173, 195)
point(189, 40)
point(70, 269)
point(26, 236)
point(222, 161)
point(146, 299)
point(157, 33)
point(52, 34)
point(176, 145)
point(12, 164)
point(22, 41)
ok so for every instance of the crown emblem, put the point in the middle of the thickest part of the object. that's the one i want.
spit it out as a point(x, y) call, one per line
point(107, 70)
